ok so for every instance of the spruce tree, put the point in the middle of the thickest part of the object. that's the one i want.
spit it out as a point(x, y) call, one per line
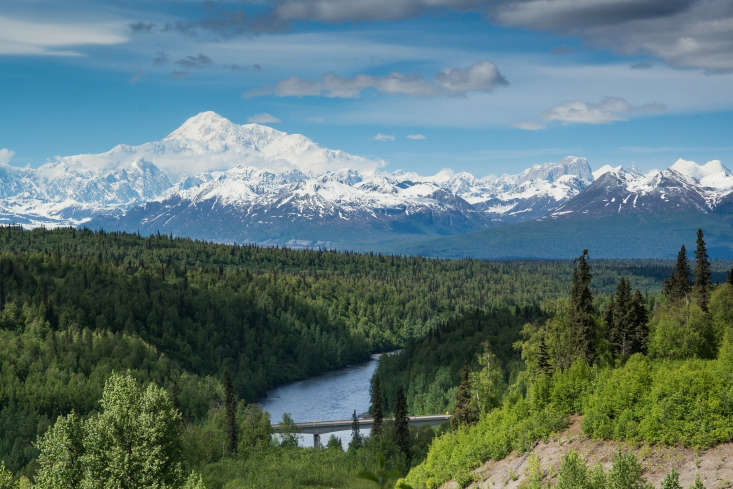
point(581, 314)
point(231, 414)
point(355, 431)
point(464, 412)
point(677, 287)
point(621, 331)
point(376, 406)
point(639, 324)
point(402, 425)
point(702, 283)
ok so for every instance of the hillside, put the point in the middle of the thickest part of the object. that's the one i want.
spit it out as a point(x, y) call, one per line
point(646, 372)
point(711, 465)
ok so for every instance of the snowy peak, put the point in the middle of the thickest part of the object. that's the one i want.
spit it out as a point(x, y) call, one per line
point(214, 133)
point(550, 172)
point(712, 174)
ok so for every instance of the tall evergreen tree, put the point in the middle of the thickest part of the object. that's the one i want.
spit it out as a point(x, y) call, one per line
point(677, 287)
point(730, 276)
point(402, 425)
point(581, 314)
point(355, 431)
point(639, 324)
point(702, 282)
point(231, 414)
point(622, 328)
point(464, 412)
point(376, 406)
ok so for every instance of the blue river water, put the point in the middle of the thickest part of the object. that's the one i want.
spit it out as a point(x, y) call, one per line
point(332, 396)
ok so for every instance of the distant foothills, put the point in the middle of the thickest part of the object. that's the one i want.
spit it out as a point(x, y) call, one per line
point(216, 180)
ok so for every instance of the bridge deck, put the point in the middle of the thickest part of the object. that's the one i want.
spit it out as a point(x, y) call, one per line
point(321, 427)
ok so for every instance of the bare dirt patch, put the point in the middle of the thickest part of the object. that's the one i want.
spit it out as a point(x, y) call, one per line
point(714, 466)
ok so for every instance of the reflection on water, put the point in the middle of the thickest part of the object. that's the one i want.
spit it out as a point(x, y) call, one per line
point(332, 396)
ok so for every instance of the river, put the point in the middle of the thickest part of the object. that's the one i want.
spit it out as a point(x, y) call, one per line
point(331, 396)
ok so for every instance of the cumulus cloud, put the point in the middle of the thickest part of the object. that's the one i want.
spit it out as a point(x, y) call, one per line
point(483, 76)
point(198, 61)
point(264, 118)
point(610, 109)
point(383, 137)
point(416, 137)
point(6, 155)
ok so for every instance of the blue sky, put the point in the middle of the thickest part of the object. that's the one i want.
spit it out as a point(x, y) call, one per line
point(486, 87)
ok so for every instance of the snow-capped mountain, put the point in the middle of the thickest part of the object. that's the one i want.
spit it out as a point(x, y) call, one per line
point(683, 187)
point(257, 171)
point(214, 179)
point(290, 206)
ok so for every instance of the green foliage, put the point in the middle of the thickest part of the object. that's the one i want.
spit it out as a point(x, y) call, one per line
point(230, 404)
point(401, 426)
point(661, 402)
point(580, 320)
point(76, 305)
point(626, 322)
point(431, 367)
point(288, 432)
point(376, 408)
point(672, 481)
point(194, 481)
point(255, 428)
point(466, 411)
point(488, 384)
point(701, 282)
point(334, 443)
point(678, 330)
point(293, 468)
point(7, 481)
point(677, 287)
point(721, 310)
point(61, 464)
point(133, 442)
point(626, 473)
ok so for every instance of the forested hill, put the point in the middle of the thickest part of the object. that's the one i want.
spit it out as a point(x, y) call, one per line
point(76, 305)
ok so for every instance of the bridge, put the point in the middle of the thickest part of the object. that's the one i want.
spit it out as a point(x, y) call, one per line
point(318, 428)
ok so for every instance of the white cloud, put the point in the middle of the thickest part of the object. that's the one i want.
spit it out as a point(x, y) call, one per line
point(529, 126)
point(27, 37)
point(264, 118)
point(6, 155)
point(609, 109)
point(416, 137)
point(383, 137)
point(479, 77)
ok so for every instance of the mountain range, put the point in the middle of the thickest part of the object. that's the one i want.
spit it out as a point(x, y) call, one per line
point(216, 180)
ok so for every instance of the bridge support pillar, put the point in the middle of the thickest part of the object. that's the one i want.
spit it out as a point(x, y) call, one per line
point(316, 440)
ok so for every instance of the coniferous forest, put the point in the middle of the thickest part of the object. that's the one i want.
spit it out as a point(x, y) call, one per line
point(187, 335)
